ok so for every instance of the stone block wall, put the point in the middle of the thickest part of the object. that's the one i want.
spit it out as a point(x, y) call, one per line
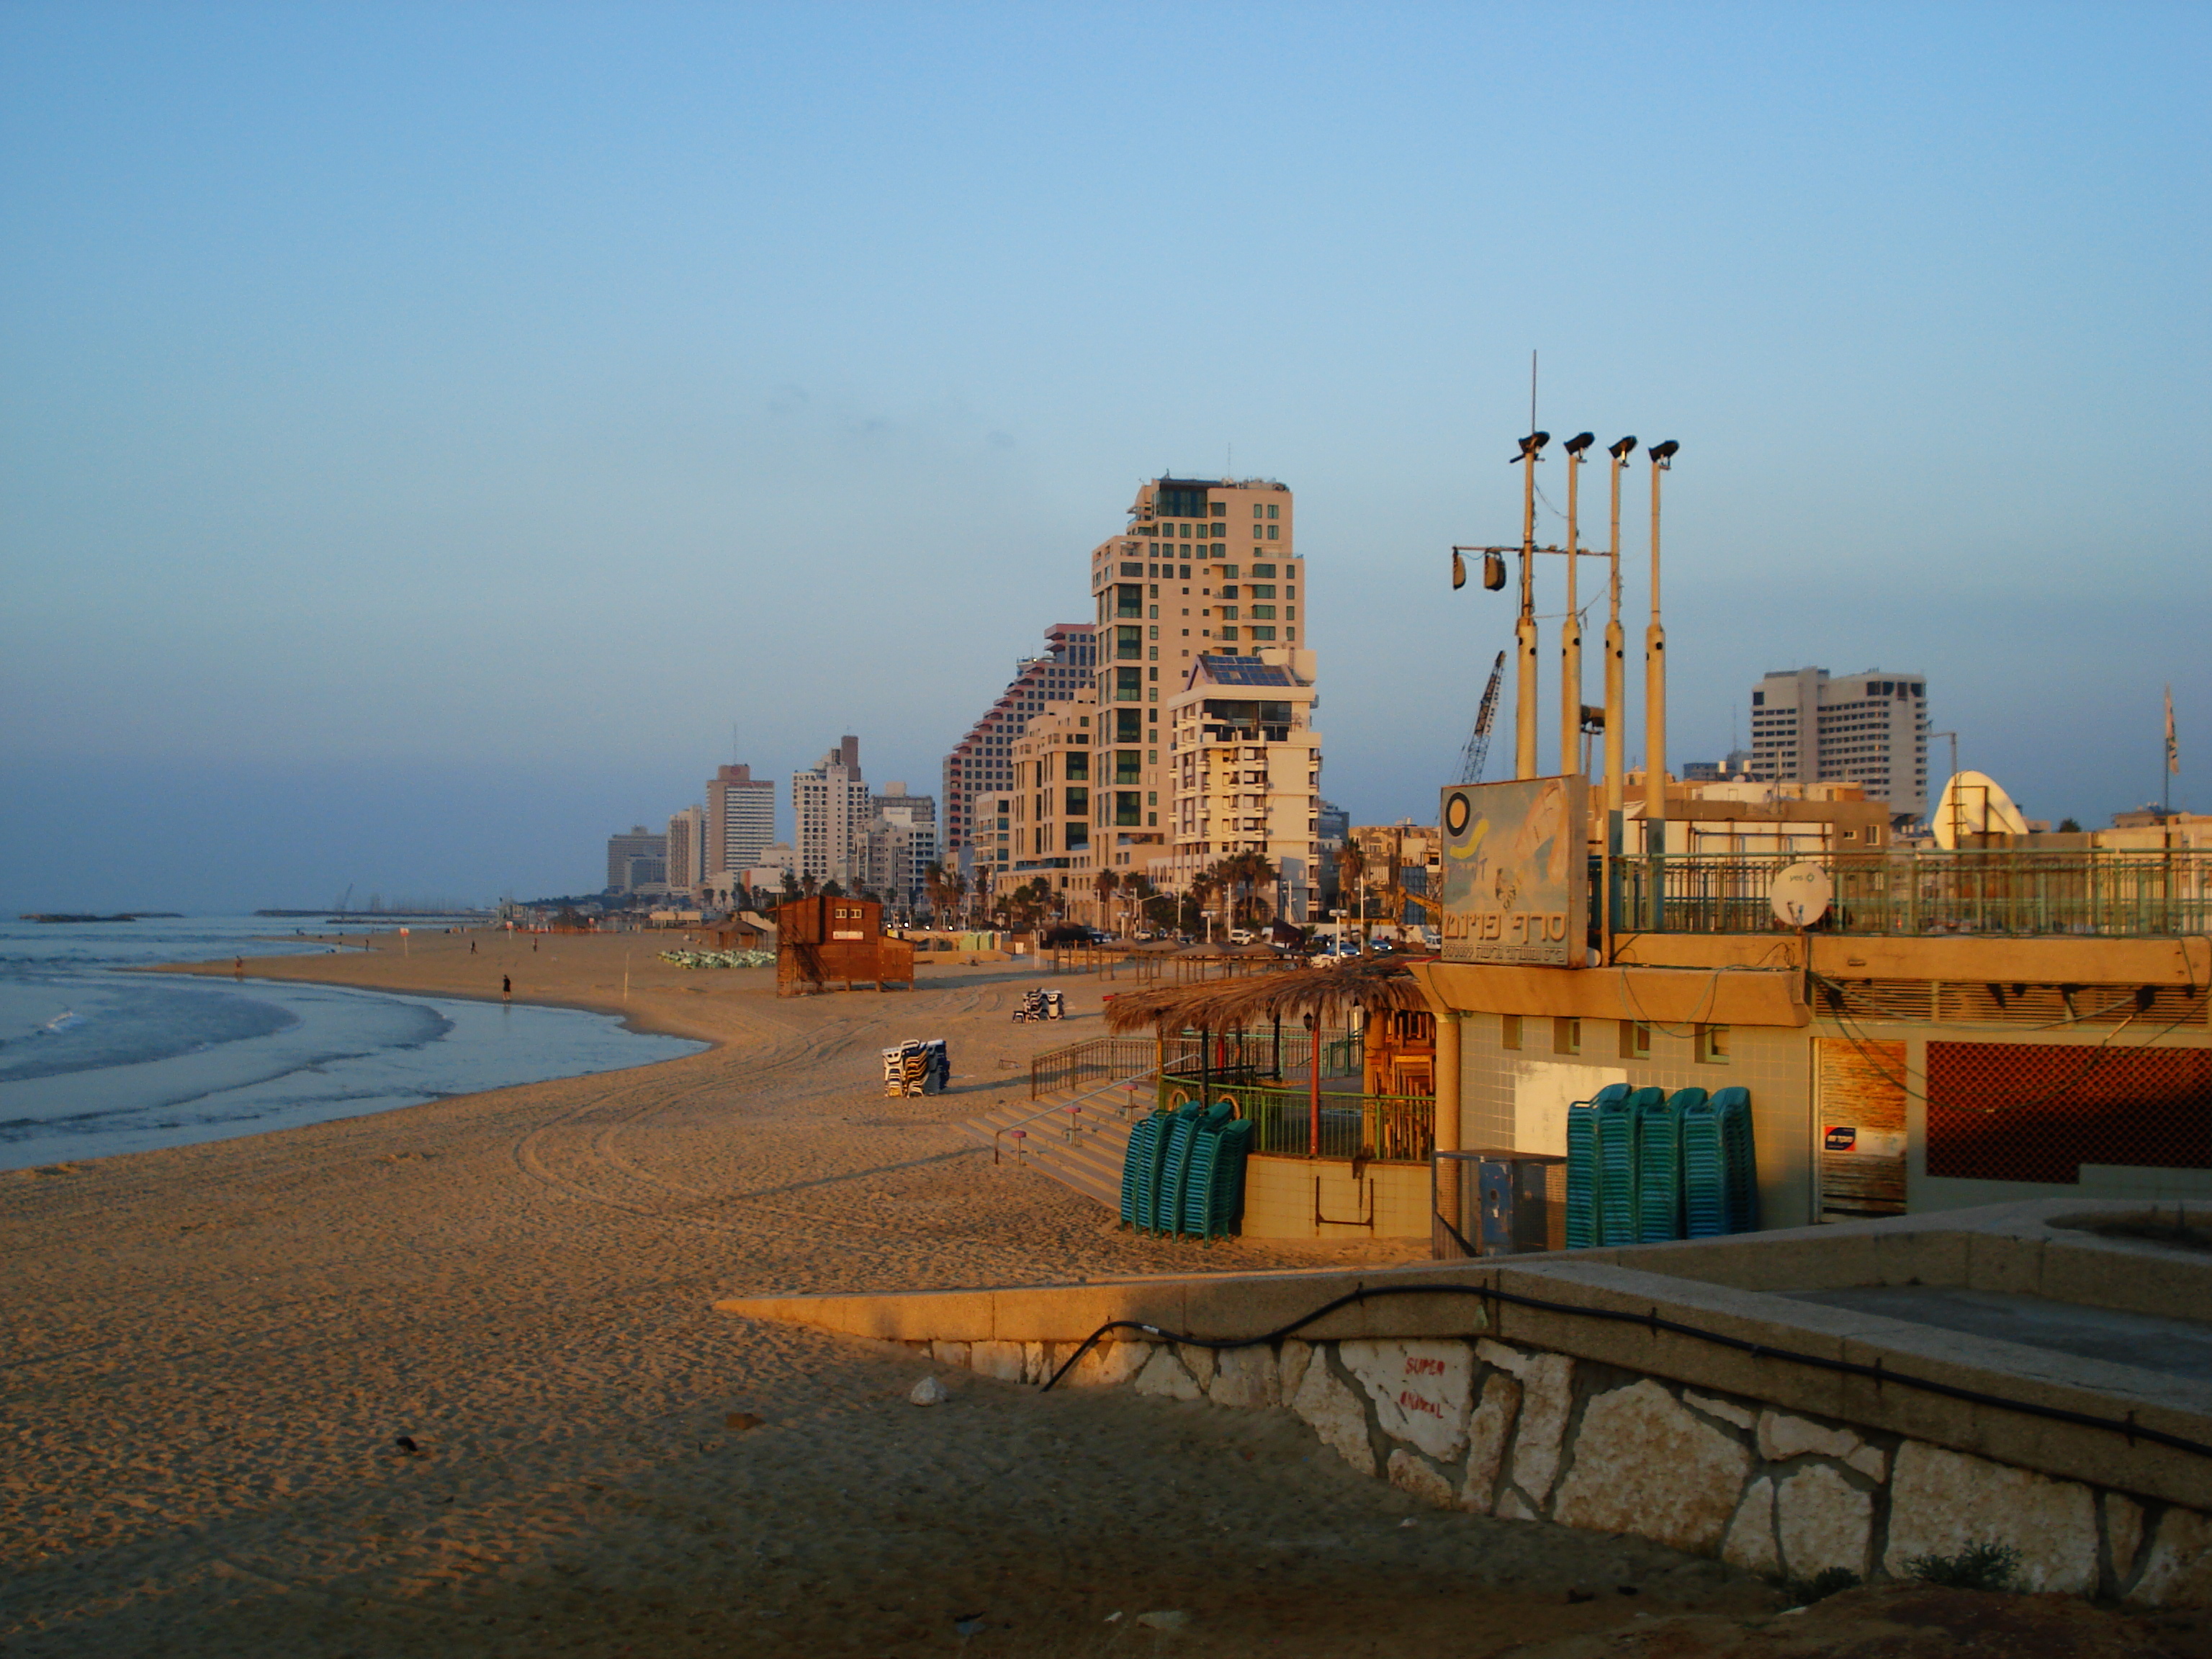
point(1497, 1428)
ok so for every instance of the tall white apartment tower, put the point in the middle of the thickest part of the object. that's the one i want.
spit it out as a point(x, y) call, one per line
point(1869, 728)
point(831, 808)
point(740, 820)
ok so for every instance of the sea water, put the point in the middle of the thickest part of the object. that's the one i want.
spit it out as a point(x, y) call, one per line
point(94, 1060)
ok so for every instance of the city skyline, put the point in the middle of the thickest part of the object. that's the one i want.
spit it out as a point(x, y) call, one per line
point(326, 429)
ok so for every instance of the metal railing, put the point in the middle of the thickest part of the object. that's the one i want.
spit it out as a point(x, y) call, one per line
point(1253, 1054)
point(1357, 1128)
point(2122, 895)
point(1121, 1097)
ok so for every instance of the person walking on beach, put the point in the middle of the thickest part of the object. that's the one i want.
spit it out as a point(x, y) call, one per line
point(472, 947)
point(506, 987)
point(238, 968)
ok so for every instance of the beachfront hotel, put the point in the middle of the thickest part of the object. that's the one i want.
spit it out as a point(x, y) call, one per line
point(1206, 568)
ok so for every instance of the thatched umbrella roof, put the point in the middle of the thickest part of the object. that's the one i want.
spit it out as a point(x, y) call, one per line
point(1325, 993)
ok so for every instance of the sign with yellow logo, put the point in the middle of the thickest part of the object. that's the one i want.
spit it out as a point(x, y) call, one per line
point(1517, 872)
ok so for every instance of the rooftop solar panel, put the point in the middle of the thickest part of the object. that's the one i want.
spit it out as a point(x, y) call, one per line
point(1247, 670)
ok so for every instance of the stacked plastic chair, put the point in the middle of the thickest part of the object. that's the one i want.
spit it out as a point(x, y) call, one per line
point(1184, 1171)
point(1584, 1181)
point(1720, 1174)
point(1659, 1163)
point(1742, 1193)
point(1618, 1120)
point(1138, 1165)
point(1223, 1199)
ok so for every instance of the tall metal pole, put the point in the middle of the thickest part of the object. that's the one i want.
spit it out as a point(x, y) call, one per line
point(1524, 631)
point(1570, 630)
point(1654, 681)
point(1616, 653)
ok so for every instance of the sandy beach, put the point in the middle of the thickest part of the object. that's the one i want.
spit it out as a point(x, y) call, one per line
point(210, 1352)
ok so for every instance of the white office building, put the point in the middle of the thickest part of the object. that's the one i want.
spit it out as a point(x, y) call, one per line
point(831, 807)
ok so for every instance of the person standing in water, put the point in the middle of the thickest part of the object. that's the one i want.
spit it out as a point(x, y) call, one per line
point(506, 987)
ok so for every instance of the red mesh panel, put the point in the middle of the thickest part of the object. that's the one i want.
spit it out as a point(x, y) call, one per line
point(2021, 1111)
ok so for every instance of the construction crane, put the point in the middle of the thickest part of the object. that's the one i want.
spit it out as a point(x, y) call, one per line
point(1476, 754)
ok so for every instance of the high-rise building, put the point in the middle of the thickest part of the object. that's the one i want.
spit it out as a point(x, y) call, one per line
point(626, 853)
point(1868, 728)
point(687, 848)
point(740, 819)
point(901, 846)
point(830, 807)
point(984, 760)
point(1051, 803)
point(1206, 567)
point(1244, 775)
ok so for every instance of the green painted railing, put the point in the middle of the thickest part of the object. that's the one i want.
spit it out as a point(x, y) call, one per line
point(2115, 894)
point(1369, 1128)
point(1250, 1053)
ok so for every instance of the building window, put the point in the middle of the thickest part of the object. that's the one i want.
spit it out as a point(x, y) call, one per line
point(1128, 812)
point(1636, 1039)
point(1566, 1036)
point(1272, 533)
point(1078, 801)
point(1713, 1045)
point(1128, 642)
point(1128, 766)
point(1509, 1030)
point(1267, 610)
point(1128, 685)
point(1261, 632)
point(1228, 633)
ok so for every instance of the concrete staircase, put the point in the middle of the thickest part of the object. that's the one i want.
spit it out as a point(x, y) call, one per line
point(1079, 1139)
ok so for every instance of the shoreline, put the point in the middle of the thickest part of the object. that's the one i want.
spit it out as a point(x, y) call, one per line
point(215, 1351)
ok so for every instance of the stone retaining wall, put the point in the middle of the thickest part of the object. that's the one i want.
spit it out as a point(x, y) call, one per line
point(1503, 1429)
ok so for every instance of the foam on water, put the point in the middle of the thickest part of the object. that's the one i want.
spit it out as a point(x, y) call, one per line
point(166, 1062)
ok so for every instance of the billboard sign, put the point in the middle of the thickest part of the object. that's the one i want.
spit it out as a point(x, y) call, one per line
point(1517, 873)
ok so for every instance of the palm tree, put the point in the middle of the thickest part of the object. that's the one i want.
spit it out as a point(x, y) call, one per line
point(1352, 873)
point(809, 885)
point(1106, 884)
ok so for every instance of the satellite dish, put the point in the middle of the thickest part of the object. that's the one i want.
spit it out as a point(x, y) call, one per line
point(1801, 895)
point(1973, 804)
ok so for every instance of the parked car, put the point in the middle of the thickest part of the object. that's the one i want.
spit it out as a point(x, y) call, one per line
point(1240, 936)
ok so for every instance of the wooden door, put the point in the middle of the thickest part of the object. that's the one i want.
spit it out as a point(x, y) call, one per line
point(1863, 1128)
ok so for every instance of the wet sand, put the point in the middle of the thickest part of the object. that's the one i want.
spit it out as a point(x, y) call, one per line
point(209, 1353)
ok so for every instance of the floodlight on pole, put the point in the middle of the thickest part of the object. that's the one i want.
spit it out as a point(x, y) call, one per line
point(1524, 629)
point(1655, 681)
point(1570, 628)
point(1616, 651)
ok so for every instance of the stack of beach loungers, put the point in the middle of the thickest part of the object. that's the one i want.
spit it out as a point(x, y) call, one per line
point(1644, 1165)
point(918, 1067)
point(1184, 1172)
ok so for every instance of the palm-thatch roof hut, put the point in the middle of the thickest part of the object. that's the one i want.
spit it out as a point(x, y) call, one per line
point(1327, 993)
point(1398, 1053)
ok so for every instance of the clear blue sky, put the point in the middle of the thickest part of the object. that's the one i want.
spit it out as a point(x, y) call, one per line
point(428, 430)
